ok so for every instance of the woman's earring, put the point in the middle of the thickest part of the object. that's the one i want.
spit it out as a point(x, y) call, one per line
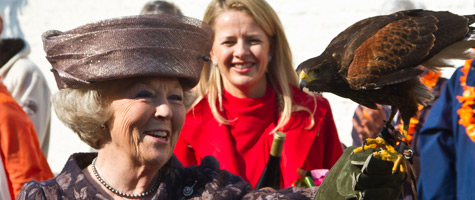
point(206, 58)
point(215, 64)
point(103, 126)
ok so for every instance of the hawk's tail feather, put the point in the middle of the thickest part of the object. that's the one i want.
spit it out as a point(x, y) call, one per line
point(458, 51)
point(471, 18)
point(423, 93)
point(470, 34)
point(461, 50)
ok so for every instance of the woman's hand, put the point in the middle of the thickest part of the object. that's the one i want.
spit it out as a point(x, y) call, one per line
point(369, 122)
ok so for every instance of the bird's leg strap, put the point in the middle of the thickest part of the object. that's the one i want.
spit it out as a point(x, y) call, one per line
point(385, 133)
point(404, 149)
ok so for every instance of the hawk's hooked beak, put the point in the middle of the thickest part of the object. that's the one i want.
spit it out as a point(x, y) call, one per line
point(304, 79)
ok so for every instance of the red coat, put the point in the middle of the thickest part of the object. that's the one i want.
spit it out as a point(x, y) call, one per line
point(243, 146)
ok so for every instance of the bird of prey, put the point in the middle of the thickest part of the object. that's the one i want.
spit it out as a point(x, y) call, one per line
point(377, 60)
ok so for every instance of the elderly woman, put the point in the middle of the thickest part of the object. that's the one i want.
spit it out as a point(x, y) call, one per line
point(122, 84)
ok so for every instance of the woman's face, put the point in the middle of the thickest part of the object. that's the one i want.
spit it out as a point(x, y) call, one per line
point(148, 114)
point(241, 49)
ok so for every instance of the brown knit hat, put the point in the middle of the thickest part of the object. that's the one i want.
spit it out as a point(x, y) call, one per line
point(134, 46)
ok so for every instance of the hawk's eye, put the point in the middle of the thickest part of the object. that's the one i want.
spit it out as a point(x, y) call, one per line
point(317, 71)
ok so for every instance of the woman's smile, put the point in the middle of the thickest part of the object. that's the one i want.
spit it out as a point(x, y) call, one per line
point(159, 135)
point(242, 68)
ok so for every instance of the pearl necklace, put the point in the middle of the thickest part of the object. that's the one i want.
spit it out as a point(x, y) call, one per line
point(122, 194)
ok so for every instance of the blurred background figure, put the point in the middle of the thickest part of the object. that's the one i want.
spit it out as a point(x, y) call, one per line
point(26, 84)
point(447, 141)
point(160, 7)
point(5, 194)
point(21, 157)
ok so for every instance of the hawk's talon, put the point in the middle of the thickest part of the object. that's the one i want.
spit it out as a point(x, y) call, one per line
point(386, 141)
point(387, 153)
point(397, 163)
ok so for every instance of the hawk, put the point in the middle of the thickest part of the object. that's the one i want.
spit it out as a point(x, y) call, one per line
point(378, 59)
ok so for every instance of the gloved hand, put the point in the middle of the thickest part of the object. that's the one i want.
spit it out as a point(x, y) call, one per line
point(361, 176)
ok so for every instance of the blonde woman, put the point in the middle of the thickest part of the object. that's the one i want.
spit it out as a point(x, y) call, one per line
point(248, 92)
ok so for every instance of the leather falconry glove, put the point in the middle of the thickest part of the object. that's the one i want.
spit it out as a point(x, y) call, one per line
point(361, 176)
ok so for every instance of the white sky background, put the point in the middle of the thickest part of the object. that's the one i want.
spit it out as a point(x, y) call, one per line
point(309, 24)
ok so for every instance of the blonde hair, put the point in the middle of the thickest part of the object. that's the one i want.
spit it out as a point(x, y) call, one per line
point(280, 68)
point(84, 111)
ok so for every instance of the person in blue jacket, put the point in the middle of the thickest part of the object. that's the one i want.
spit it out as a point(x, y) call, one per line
point(447, 151)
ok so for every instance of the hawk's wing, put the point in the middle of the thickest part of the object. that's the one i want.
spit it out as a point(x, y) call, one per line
point(391, 55)
point(344, 45)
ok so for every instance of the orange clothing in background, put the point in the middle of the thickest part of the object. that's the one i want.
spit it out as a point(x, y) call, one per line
point(20, 150)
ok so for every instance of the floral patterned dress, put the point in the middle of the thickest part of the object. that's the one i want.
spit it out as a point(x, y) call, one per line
point(211, 183)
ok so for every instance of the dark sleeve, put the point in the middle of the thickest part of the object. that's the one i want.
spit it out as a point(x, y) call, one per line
point(291, 193)
point(31, 190)
point(436, 142)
